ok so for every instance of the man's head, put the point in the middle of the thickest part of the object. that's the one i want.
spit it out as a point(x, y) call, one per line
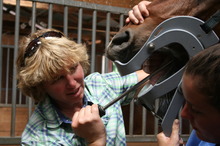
point(41, 58)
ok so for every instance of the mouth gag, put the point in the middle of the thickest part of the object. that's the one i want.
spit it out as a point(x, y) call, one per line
point(187, 33)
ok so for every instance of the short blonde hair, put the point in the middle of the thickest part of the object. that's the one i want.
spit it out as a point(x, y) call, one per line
point(53, 55)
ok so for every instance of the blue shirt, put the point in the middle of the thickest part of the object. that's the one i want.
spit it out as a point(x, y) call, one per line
point(195, 141)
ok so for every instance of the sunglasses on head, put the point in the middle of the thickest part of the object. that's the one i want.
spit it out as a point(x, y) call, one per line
point(34, 44)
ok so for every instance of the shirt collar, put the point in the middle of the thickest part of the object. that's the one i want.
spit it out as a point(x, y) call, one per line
point(46, 109)
point(66, 120)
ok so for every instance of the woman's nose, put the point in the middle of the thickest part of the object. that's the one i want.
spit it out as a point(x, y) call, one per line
point(71, 82)
point(185, 113)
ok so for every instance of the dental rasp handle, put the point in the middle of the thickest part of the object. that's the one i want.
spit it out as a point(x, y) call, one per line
point(103, 108)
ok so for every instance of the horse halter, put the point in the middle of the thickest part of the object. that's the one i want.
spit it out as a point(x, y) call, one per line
point(186, 31)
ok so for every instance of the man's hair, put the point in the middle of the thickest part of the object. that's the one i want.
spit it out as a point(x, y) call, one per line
point(205, 67)
point(53, 55)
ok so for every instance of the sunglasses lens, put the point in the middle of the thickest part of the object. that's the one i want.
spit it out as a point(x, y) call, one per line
point(31, 48)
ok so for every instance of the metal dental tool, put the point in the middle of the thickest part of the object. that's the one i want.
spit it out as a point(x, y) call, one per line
point(136, 86)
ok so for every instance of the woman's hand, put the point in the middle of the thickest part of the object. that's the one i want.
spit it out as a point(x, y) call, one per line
point(173, 140)
point(138, 13)
point(87, 124)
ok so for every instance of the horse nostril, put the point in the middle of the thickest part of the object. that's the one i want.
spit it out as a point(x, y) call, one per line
point(121, 38)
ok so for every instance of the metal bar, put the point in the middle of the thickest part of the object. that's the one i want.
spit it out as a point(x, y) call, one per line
point(1, 48)
point(121, 21)
point(33, 29)
point(87, 5)
point(50, 15)
point(65, 21)
point(8, 46)
point(7, 77)
point(191, 128)
point(80, 15)
point(149, 138)
point(181, 122)
point(138, 138)
point(10, 140)
point(30, 101)
point(133, 138)
point(33, 17)
point(107, 38)
point(20, 98)
point(144, 117)
point(155, 118)
point(14, 84)
point(131, 119)
point(9, 105)
point(108, 18)
point(103, 64)
point(93, 48)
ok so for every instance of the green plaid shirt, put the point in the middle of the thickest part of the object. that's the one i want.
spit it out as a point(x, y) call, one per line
point(47, 126)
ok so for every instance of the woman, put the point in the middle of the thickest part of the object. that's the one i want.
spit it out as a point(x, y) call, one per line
point(51, 69)
point(200, 87)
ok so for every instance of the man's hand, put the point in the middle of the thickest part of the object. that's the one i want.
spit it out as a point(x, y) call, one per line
point(138, 13)
point(87, 124)
point(173, 140)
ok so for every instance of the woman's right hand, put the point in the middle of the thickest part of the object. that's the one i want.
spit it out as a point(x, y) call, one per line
point(173, 140)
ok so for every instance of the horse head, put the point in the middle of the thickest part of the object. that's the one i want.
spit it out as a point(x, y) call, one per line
point(130, 39)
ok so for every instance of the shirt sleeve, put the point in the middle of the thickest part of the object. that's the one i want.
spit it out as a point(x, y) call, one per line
point(109, 86)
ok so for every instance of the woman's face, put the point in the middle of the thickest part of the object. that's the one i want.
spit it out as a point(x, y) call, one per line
point(203, 117)
point(68, 89)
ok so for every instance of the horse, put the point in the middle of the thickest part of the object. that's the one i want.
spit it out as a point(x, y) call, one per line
point(129, 40)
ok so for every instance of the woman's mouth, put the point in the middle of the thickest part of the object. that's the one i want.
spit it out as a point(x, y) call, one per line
point(75, 92)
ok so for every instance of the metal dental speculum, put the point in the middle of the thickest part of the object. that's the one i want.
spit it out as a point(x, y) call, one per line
point(181, 36)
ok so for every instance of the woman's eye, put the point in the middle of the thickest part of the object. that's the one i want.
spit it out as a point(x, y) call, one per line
point(57, 79)
point(73, 69)
point(195, 111)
